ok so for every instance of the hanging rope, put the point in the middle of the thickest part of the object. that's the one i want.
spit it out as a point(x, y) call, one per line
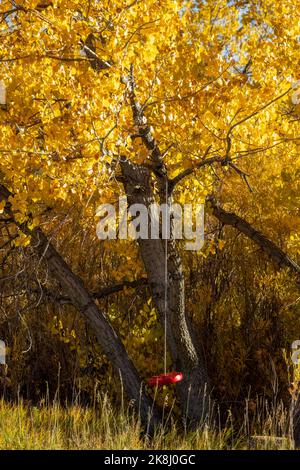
point(166, 279)
point(171, 377)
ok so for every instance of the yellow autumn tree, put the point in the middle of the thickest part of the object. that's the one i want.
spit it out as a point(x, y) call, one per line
point(185, 101)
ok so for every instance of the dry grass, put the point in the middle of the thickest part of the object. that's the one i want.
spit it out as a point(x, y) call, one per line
point(75, 427)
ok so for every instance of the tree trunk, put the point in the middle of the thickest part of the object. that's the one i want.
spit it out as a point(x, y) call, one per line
point(109, 341)
point(186, 357)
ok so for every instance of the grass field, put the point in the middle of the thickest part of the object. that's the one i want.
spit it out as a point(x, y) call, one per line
point(54, 427)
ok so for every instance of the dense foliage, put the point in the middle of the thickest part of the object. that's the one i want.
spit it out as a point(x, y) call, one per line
point(215, 80)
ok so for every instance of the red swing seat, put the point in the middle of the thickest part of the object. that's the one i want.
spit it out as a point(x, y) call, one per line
point(165, 379)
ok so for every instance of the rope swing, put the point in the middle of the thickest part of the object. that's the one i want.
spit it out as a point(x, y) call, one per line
point(170, 377)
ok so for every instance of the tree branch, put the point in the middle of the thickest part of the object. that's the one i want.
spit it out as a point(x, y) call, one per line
point(144, 130)
point(205, 162)
point(102, 293)
point(267, 245)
